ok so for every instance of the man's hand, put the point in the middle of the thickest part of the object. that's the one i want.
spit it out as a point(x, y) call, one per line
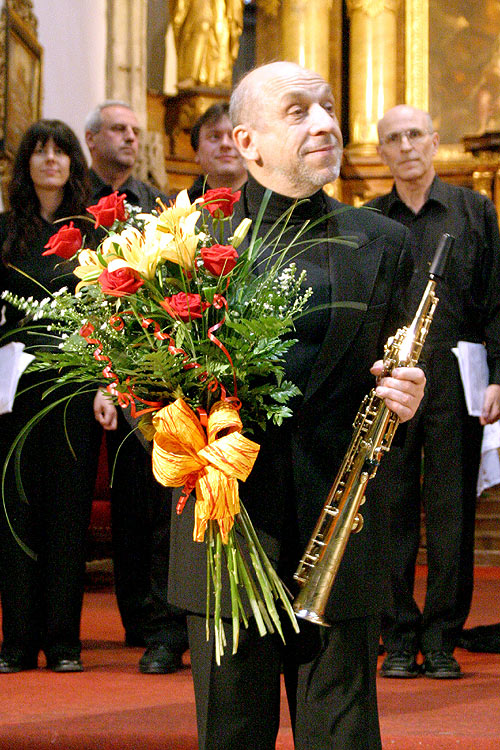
point(402, 391)
point(105, 411)
point(491, 405)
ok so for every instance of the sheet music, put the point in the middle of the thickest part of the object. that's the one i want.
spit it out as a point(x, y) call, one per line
point(13, 362)
point(473, 367)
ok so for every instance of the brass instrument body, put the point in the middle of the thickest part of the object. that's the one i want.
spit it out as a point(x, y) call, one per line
point(373, 431)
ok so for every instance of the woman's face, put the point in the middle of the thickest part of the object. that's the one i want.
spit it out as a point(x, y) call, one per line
point(49, 166)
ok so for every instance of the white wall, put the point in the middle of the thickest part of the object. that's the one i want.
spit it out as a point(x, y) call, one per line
point(73, 36)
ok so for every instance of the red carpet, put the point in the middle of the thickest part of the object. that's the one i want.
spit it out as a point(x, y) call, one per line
point(113, 707)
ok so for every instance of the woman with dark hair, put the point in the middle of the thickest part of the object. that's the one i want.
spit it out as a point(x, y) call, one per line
point(42, 592)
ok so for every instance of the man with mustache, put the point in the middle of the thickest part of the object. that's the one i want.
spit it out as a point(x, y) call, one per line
point(286, 130)
point(448, 438)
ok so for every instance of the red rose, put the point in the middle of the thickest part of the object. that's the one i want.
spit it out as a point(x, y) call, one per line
point(220, 201)
point(66, 242)
point(219, 259)
point(184, 306)
point(108, 209)
point(121, 282)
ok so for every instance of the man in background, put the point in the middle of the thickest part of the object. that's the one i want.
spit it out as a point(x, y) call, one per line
point(215, 152)
point(140, 507)
point(448, 438)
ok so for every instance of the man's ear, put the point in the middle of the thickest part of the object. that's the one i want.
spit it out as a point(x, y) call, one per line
point(89, 139)
point(245, 142)
point(196, 158)
point(381, 153)
point(435, 142)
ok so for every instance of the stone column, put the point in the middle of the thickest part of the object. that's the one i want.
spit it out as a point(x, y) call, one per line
point(305, 34)
point(372, 68)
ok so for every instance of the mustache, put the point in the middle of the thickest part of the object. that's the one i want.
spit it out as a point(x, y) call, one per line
point(328, 141)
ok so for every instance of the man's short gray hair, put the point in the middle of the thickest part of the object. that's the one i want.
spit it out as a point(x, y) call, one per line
point(93, 122)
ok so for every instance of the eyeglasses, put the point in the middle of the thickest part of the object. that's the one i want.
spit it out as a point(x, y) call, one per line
point(413, 135)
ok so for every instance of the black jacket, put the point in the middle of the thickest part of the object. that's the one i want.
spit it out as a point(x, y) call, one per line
point(298, 461)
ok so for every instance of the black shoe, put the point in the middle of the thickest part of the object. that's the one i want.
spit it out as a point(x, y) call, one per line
point(159, 660)
point(482, 638)
point(440, 665)
point(19, 663)
point(400, 664)
point(65, 665)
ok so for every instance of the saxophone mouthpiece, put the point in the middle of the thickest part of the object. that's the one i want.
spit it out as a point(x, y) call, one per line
point(438, 265)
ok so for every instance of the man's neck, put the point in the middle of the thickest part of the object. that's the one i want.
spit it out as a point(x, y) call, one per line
point(218, 181)
point(414, 193)
point(112, 176)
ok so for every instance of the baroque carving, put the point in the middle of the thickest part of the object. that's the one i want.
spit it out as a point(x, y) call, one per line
point(24, 9)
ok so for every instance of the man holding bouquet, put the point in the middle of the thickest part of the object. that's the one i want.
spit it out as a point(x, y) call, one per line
point(286, 130)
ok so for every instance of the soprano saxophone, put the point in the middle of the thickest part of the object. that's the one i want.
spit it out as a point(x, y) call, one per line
point(373, 430)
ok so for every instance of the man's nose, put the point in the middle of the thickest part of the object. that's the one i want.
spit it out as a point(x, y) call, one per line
point(227, 140)
point(404, 142)
point(130, 133)
point(322, 121)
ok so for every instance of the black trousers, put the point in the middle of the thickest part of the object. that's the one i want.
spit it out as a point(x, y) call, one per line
point(140, 522)
point(331, 695)
point(448, 442)
point(42, 598)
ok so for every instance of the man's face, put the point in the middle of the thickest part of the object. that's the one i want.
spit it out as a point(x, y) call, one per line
point(406, 145)
point(295, 143)
point(117, 142)
point(217, 155)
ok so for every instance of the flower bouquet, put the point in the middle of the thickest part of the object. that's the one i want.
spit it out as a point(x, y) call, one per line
point(170, 319)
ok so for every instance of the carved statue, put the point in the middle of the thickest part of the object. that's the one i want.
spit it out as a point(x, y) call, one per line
point(207, 34)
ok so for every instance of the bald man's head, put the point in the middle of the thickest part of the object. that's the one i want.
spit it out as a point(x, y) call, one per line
point(286, 129)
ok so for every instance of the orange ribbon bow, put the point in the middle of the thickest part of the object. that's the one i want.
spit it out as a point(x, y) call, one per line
point(183, 455)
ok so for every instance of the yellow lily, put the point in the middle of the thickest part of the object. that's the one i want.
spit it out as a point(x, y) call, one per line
point(90, 268)
point(180, 245)
point(138, 250)
point(171, 216)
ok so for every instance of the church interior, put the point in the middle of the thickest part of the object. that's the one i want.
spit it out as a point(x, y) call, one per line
point(171, 59)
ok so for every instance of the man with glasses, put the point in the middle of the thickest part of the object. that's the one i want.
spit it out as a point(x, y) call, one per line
point(442, 431)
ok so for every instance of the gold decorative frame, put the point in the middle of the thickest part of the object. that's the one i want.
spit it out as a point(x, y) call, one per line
point(22, 81)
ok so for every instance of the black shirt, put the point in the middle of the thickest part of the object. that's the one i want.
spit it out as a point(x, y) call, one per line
point(138, 193)
point(313, 258)
point(50, 271)
point(469, 299)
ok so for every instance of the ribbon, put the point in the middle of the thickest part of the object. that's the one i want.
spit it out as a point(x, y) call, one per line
point(124, 399)
point(184, 455)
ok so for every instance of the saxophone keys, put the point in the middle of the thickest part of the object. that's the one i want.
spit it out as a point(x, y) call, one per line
point(358, 523)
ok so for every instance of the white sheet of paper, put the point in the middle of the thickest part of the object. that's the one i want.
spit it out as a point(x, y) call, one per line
point(13, 362)
point(489, 468)
point(473, 368)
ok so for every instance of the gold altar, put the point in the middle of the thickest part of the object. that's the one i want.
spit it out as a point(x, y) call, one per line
point(375, 54)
